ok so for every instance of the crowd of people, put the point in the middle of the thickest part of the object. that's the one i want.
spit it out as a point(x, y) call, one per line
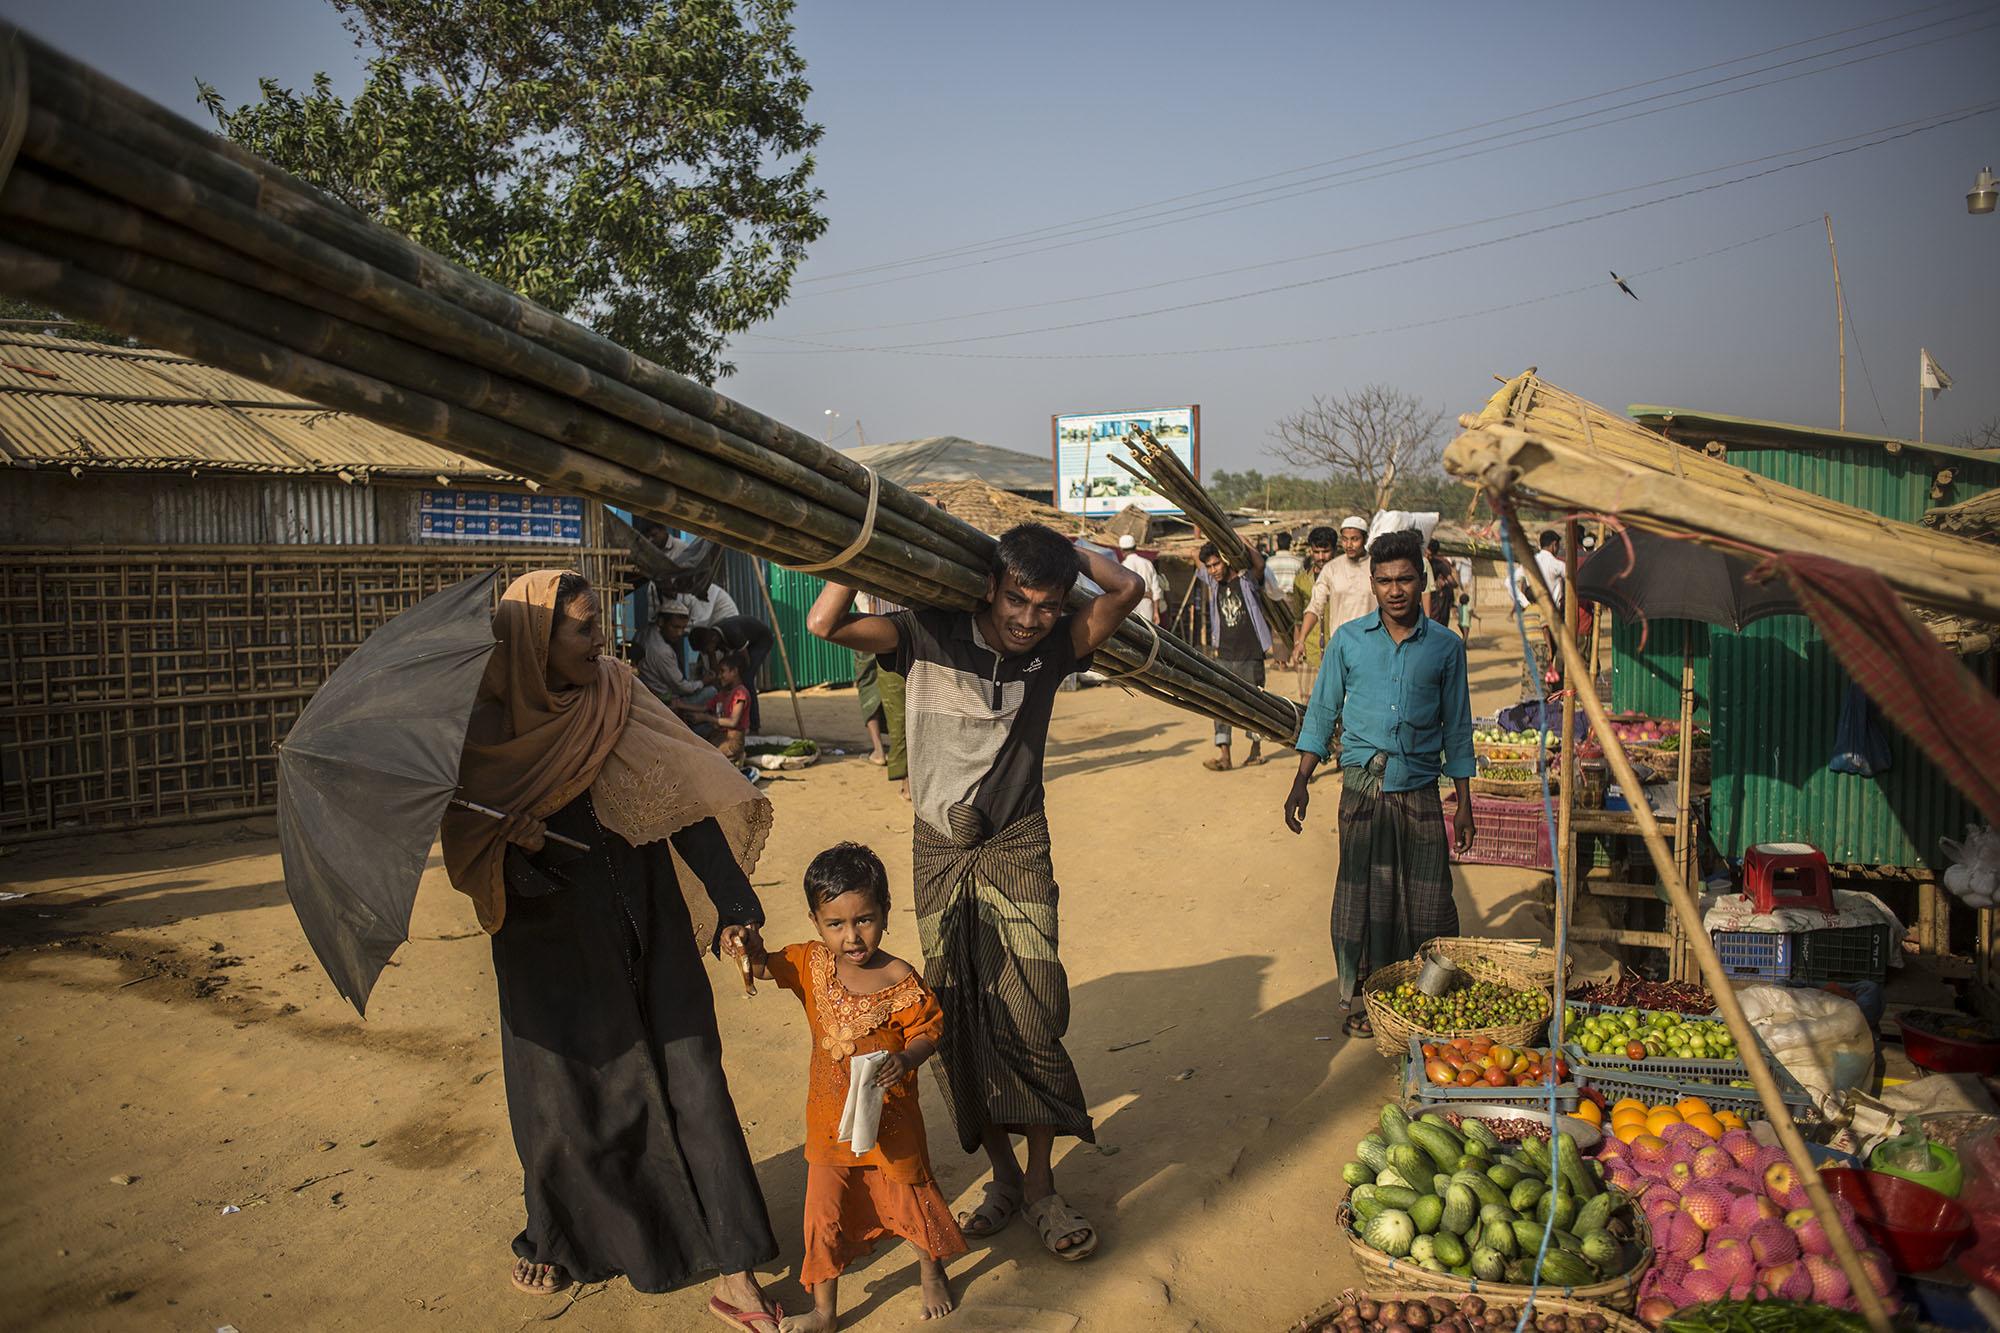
point(632, 1159)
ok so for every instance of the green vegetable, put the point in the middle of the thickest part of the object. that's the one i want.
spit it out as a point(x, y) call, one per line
point(1450, 1250)
point(1391, 1232)
point(1426, 1213)
point(1763, 1317)
point(1356, 1173)
point(1488, 1263)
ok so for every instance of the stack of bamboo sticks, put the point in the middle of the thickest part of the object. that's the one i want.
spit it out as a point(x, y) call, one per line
point(1169, 476)
point(117, 211)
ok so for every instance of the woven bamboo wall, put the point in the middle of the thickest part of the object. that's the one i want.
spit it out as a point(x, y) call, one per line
point(150, 686)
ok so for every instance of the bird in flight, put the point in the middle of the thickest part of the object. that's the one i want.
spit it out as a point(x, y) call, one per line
point(1622, 287)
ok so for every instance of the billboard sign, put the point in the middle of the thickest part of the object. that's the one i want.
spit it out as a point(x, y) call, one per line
point(456, 515)
point(1087, 482)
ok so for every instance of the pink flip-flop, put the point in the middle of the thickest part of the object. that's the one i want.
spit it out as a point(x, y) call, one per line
point(741, 1320)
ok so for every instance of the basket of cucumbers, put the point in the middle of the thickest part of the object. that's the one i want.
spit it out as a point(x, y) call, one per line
point(1448, 1207)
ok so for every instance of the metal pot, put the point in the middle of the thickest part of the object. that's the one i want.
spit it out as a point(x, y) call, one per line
point(1440, 976)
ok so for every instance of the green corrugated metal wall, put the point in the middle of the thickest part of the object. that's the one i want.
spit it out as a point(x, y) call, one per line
point(1773, 692)
point(814, 660)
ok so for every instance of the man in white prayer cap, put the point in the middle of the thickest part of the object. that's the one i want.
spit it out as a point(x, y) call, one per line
point(1150, 605)
point(1342, 592)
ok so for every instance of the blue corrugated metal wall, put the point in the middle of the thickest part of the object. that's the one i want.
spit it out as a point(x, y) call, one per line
point(1773, 692)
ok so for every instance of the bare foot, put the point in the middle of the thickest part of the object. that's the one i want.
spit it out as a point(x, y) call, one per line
point(936, 1290)
point(740, 1291)
point(815, 1322)
point(539, 1279)
point(903, 788)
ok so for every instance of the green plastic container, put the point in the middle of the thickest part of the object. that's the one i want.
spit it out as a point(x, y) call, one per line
point(1945, 1175)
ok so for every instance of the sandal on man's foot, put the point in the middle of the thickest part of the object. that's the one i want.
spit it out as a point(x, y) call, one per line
point(1220, 764)
point(1055, 1219)
point(1254, 758)
point(992, 1214)
point(538, 1279)
point(1357, 1025)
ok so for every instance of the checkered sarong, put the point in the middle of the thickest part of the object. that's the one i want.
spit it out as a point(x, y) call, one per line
point(986, 916)
point(1393, 889)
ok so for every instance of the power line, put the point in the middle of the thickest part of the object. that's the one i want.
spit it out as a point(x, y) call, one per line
point(1924, 121)
point(1596, 285)
point(1855, 329)
point(1122, 224)
point(1982, 110)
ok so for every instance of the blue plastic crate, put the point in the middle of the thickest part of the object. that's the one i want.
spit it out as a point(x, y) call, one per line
point(1765, 955)
point(1418, 1089)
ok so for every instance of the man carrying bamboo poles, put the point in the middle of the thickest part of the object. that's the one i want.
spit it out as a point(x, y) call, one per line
point(981, 686)
point(1396, 683)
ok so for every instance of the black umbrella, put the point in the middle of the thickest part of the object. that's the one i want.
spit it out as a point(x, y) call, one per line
point(1679, 580)
point(366, 772)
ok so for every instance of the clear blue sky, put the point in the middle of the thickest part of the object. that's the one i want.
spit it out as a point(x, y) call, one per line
point(949, 125)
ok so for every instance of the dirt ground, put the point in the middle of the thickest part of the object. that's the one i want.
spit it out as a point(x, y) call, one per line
point(201, 1133)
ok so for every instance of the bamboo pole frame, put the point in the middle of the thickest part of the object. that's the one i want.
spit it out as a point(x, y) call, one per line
point(1688, 911)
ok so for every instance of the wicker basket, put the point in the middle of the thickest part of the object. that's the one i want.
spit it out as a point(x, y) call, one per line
point(1393, 1031)
point(1614, 1322)
point(1522, 964)
point(1667, 763)
point(1524, 790)
point(1378, 1269)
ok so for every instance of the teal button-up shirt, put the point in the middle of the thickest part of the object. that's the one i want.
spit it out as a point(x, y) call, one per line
point(1407, 701)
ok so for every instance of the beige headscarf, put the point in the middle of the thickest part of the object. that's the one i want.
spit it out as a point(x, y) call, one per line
point(533, 750)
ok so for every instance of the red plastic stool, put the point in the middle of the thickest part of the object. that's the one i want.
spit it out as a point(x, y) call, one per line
point(1787, 874)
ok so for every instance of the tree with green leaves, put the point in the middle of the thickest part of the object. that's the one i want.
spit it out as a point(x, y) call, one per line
point(641, 166)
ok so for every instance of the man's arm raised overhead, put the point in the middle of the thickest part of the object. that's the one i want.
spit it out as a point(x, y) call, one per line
point(1123, 590)
point(834, 619)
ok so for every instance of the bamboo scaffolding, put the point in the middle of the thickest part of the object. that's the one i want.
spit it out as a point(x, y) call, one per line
point(1171, 478)
point(1688, 911)
point(120, 212)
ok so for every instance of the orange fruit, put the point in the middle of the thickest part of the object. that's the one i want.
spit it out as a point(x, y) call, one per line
point(1692, 1106)
point(1629, 1104)
point(1707, 1124)
point(1661, 1118)
point(1629, 1131)
point(1628, 1118)
point(1647, 1143)
point(1586, 1111)
point(1730, 1120)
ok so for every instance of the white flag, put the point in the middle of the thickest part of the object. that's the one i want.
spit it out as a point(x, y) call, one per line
point(1930, 375)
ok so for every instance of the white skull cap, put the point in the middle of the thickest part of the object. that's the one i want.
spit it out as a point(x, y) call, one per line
point(673, 606)
point(1354, 521)
point(1128, 543)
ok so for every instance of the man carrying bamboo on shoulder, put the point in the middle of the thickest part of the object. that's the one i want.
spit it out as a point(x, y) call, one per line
point(981, 686)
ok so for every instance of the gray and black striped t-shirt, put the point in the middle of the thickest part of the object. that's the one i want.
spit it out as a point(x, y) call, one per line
point(977, 719)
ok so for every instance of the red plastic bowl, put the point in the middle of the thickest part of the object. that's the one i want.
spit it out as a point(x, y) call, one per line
point(1918, 1227)
point(1949, 1055)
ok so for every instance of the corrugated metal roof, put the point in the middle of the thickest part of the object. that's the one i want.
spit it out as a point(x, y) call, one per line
point(66, 403)
point(1680, 423)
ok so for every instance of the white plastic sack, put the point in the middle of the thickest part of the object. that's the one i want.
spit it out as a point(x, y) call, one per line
point(1820, 1038)
point(1974, 872)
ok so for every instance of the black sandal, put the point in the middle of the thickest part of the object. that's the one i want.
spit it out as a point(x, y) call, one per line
point(1357, 1025)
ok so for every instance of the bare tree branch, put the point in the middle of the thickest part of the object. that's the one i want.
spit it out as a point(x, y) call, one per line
point(1377, 435)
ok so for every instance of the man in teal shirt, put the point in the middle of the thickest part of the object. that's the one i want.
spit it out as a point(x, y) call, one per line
point(1396, 683)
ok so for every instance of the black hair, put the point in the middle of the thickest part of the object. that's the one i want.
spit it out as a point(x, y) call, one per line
point(1433, 545)
point(1408, 544)
point(846, 867)
point(1549, 538)
point(736, 658)
point(701, 635)
point(1037, 556)
point(569, 587)
point(1284, 541)
point(1322, 536)
point(1208, 552)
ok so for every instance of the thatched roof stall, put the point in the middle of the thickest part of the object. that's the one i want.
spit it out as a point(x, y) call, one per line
point(1554, 448)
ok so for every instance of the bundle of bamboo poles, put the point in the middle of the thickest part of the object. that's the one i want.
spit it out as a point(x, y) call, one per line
point(119, 212)
point(1535, 440)
point(1163, 469)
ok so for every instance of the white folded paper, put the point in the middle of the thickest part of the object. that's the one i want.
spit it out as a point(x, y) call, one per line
point(861, 1118)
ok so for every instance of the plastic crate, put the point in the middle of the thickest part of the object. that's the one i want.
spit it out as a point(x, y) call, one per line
point(1689, 1071)
point(1657, 1090)
point(1764, 955)
point(1506, 833)
point(1417, 1088)
point(1843, 953)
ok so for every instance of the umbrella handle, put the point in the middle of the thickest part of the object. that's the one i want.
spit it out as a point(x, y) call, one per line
point(491, 813)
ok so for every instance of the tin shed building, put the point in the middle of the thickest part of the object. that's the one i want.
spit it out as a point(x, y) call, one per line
point(186, 554)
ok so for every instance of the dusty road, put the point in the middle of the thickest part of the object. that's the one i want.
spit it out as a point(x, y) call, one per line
point(201, 1133)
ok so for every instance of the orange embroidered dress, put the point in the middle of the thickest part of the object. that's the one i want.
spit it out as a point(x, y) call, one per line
point(853, 1201)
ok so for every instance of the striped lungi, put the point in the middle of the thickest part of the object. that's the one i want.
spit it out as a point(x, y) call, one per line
point(986, 916)
point(1393, 889)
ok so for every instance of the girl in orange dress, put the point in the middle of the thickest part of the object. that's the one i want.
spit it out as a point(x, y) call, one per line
point(859, 999)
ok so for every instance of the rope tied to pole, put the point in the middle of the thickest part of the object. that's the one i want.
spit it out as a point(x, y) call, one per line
point(1152, 656)
point(862, 538)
